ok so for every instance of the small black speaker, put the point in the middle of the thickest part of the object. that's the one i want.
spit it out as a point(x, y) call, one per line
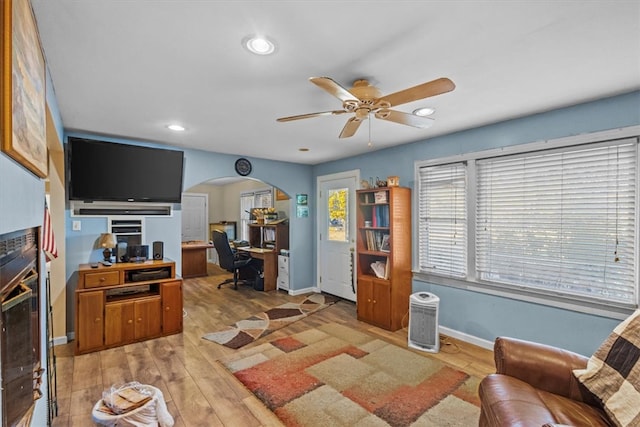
point(121, 252)
point(158, 250)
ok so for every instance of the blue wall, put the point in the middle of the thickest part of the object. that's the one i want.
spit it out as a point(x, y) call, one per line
point(486, 316)
point(22, 206)
point(202, 166)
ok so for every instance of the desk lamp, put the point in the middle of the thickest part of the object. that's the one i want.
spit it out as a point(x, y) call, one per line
point(108, 242)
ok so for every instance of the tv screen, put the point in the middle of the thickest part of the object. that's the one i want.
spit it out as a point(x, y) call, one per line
point(107, 171)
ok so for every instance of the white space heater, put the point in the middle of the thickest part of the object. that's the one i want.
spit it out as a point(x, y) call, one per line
point(423, 322)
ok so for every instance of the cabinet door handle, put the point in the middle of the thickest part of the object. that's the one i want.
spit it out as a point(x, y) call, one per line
point(374, 301)
point(97, 320)
point(139, 319)
point(368, 299)
point(167, 308)
point(130, 321)
point(102, 279)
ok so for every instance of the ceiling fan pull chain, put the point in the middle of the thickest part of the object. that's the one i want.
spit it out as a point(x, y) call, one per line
point(370, 144)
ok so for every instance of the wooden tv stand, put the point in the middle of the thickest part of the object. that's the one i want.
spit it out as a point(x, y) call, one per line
point(125, 303)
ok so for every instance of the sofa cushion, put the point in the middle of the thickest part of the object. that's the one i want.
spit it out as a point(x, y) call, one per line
point(613, 373)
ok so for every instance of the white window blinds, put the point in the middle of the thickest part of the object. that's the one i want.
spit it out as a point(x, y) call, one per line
point(561, 220)
point(248, 201)
point(442, 219)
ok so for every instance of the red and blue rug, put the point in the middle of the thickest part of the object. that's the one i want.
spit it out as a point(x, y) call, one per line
point(336, 376)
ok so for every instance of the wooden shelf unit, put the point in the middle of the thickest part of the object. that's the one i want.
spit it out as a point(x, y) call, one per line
point(269, 236)
point(125, 303)
point(386, 211)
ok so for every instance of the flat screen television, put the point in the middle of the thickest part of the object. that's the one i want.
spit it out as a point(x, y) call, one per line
point(108, 171)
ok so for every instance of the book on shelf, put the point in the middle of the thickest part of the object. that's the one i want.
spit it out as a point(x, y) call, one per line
point(380, 217)
point(376, 240)
point(380, 269)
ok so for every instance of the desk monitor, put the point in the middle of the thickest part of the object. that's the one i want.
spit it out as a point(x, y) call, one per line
point(228, 227)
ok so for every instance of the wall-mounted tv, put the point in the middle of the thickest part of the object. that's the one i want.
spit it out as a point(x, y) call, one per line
point(108, 171)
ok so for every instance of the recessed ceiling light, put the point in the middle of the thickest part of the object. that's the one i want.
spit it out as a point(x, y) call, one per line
point(176, 128)
point(259, 45)
point(303, 149)
point(425, 111)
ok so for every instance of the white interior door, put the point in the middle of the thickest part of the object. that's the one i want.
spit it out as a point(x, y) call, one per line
point(336, 229)
point(195, 217)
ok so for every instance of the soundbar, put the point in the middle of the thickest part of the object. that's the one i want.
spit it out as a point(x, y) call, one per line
point(135, 211)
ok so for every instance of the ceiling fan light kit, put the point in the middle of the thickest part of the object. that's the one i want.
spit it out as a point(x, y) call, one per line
point(363, 100)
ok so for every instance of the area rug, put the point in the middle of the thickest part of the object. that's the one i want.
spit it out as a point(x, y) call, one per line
point(257, 326)
point(336, 376)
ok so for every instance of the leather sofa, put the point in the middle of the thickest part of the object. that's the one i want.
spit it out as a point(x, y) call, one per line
point(534, 386)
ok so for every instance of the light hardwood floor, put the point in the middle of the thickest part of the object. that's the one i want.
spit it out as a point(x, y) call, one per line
point(198, 391)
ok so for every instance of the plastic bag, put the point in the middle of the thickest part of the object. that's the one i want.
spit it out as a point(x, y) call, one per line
point(132, 404)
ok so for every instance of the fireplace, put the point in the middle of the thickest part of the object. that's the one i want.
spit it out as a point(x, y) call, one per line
point(20, 325)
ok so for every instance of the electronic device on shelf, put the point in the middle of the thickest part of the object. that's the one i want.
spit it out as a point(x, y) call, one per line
point(128, 290)
point(144, 275)
point(137, 253)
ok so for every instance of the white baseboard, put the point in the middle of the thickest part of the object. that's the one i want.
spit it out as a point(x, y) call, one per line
point(294, 292)
point(59, 340)
point(466, 337)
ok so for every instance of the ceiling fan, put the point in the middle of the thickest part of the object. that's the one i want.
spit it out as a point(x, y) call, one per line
point(363, 99)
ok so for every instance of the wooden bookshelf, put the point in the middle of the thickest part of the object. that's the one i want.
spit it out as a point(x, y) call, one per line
point(269, 236)
point(383, 245)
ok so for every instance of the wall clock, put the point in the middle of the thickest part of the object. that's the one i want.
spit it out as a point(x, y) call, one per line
point(243, 166)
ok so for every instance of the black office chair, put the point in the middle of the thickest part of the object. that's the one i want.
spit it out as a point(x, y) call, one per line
point(231, 260)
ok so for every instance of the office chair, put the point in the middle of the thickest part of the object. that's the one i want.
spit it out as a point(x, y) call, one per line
point(231, 260)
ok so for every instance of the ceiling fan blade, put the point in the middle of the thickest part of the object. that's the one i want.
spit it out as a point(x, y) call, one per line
point(424, 90)
point(405, 118)
point(351, 127)
point(333, 88)
point(310, 115)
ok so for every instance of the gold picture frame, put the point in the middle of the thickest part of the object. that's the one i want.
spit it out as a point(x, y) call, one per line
point(23, 103)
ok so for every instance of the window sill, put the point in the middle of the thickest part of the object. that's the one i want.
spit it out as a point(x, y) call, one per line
point(583, 305)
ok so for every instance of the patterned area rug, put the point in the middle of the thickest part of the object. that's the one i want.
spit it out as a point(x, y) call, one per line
point(336, 376)
point(257, 326)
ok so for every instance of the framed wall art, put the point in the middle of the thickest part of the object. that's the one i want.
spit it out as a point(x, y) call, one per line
point(23, 103)
point(281, 195)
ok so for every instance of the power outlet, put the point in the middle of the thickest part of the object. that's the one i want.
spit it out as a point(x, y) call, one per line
point(77, 225)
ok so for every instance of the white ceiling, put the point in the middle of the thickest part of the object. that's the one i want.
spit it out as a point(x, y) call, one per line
point(129, 68)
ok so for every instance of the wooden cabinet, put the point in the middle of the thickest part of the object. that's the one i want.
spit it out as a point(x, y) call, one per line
point(269, 236)
point(374, 301)
point(383, 245)
point(194, 259)
point(125, 303)
point(90, 308)
point(172, 307)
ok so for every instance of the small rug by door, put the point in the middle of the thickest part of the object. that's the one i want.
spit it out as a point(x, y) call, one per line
point(257, 326)
point(336, 376)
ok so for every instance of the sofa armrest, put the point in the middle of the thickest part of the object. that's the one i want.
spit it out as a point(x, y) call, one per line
point(542, 366)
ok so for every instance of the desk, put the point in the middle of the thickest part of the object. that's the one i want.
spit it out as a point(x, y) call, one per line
point(194, 259)
point(269, 259)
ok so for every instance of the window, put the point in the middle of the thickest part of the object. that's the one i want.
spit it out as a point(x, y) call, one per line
point(248, 201)
point(442, 219)
point(554, 223)
point(338, 209)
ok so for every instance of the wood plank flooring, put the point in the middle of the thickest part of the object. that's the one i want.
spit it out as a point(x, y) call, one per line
point(198, 391)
